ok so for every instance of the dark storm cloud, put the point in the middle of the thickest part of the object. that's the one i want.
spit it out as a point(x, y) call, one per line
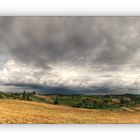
point(89, 41)
point(83, 52)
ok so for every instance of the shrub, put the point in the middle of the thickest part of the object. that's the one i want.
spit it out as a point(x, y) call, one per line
point(55, 102)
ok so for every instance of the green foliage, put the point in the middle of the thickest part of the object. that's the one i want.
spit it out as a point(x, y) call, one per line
point(37, 99)
point(67, 100)
point(93, 101)
point(26, 96)
point(56, 102)
point(3, 96)
point(96, 104)
point(97, 101)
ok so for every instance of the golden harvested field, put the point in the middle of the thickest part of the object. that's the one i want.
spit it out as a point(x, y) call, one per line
point(17, 112)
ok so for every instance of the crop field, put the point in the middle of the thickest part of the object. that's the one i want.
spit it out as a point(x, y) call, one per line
point(26, 112)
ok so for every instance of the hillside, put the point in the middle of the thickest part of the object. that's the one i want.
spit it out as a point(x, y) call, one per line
point(18, 111)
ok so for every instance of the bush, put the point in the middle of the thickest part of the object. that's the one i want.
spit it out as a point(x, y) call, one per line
point(56, 102)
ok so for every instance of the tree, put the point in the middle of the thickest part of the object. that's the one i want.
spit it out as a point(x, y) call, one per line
point(24, 95)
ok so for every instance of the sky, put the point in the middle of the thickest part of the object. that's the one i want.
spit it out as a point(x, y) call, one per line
point(74, 52)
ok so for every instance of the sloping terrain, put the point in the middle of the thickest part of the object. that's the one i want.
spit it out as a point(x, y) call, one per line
point(16, 111)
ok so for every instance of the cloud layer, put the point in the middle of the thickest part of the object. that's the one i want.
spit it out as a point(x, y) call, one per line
point(70, 51)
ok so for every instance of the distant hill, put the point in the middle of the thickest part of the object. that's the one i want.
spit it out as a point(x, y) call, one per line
point(68, 90)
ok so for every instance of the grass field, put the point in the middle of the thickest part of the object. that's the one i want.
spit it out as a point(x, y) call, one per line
point(18, 111)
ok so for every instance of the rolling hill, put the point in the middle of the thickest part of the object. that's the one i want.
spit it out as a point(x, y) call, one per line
point(26, 112)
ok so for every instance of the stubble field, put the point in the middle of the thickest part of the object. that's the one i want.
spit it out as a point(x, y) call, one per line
point(26, 112)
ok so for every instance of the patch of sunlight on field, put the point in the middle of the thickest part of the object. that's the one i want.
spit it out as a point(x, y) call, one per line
point(17, 112)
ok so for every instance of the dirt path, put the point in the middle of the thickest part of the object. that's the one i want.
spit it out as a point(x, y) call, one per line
point(128, 109)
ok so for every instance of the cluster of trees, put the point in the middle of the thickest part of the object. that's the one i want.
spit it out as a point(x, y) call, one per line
point(106, 102)
point(98, 101)
point(94, 101)
point(26, 96)
point(20, 96)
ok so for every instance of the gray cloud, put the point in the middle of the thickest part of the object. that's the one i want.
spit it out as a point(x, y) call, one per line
point(71, 40)
point(81, 51)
